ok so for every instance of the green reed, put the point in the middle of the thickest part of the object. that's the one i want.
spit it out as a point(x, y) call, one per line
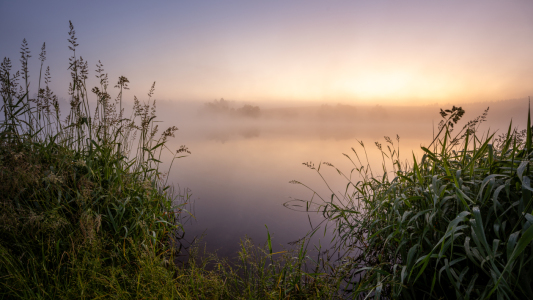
point(256, 273)
point(456, 224)
point(85, 211)
point(84, 208)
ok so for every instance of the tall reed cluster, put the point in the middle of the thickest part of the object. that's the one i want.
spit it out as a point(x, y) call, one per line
point(456, 224)
point(84, 210)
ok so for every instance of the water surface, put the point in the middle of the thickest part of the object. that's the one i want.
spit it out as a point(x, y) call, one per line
point(240, 167)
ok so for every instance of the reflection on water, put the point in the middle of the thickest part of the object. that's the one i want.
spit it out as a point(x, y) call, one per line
point(242, 162)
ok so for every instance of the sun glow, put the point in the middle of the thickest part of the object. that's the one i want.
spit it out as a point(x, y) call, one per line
point(378, 84)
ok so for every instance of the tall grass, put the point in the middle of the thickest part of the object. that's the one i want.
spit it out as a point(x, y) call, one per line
point(456, 224)
point(257, 273)
point(85, 211)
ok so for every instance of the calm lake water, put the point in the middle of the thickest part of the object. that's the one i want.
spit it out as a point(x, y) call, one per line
point(239, 171)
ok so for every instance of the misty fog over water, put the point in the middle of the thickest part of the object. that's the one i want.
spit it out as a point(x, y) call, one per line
point(245, 154)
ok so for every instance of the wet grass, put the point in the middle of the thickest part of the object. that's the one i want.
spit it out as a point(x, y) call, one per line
point(86, 213)
point(454, 224)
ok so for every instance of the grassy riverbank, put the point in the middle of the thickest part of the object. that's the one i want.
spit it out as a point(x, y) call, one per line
point(456, 224)
point(85, 211)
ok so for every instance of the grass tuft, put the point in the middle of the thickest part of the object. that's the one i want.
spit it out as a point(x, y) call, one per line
point(456, 224)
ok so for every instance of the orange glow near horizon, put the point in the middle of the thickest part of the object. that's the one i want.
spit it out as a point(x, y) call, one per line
point(409, 52)
point(401, 86)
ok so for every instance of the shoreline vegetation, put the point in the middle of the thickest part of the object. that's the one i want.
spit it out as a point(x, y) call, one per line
point(85, 211)
point(456, 224)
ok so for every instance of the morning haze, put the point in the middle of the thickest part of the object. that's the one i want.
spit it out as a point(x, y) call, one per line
point(248, 152)
point(266, 93)
point(303, 81)
point(355, 52)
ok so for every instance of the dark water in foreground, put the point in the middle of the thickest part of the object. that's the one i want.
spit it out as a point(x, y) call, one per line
point(240, 168)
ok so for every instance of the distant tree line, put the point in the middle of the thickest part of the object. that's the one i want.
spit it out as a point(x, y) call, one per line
point(223, 106)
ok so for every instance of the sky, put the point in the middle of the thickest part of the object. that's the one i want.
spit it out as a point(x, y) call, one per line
point(355, 52)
